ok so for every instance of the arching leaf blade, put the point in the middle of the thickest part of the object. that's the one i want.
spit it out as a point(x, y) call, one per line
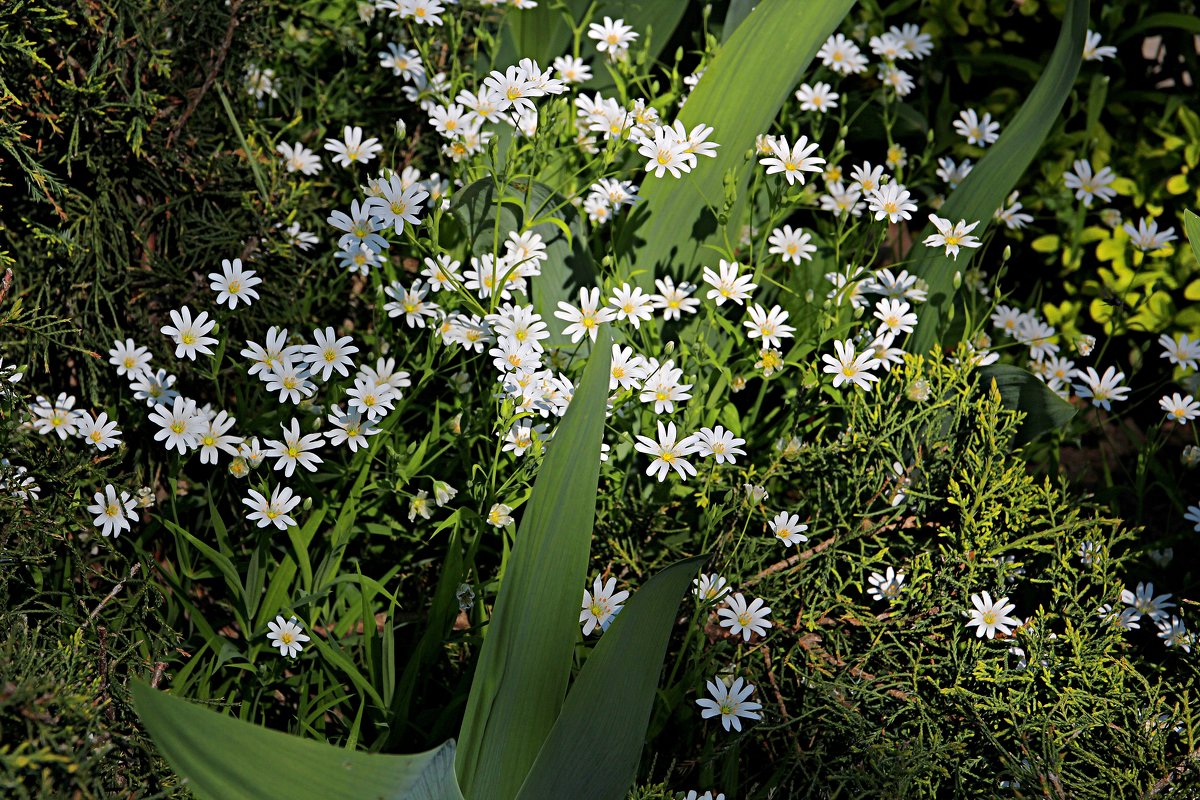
point(770, 50)
point(224, 758)
point(617, 684)
point(525, 663)
point(993, 178)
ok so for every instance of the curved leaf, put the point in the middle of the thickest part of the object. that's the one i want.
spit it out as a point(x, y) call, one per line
point(984, 190)
point(525, 663)
point(770, 51)
point(224, 758)
point(1023, 391)
point(568, 264)
point(616, 685)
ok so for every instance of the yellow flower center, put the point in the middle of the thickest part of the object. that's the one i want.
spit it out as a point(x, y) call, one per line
point(113, 510)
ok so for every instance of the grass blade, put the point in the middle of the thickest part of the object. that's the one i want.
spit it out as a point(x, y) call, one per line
point(525, 663)
point(984, 190)
point(770, 51)
point(1191, 226)
point(616, 685)
point(228, 759)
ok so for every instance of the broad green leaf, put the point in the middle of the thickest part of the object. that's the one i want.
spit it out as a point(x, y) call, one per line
point(985, 189)
point(1023, 391)
point(525, 663)
point(602, 727)
point(1191, 226)
point(739, 95)
point(224, 758)
point(735, 16)
point(489, 215)
point(542, 33)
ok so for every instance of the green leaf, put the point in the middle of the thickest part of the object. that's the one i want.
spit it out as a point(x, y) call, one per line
point(1023, 391)
point(985, 189)
point(229, 759)
point(542, 34)
point(488, 219)
point(1191, 226)
point(616, 689)
point(770, 51)
point(735, 16)
point(525, 662)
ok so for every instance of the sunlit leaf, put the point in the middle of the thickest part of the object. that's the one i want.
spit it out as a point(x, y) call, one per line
point(224, 758)
point(770, 51)
point(616, 685)
point(521, 678)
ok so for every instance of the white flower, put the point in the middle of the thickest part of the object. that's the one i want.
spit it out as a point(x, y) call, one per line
point(952, 236)
point(718, 443)
point(890, 201)
point(668, 452)
point(665, 152)
point(129, 359)
point(842, 55)
point(709, 587)
point(294, 449)
point(180, 425)
point(99, 432)
point(673, 300)
point(728, 284)
point(788, 528)
point(1181, 350)
point(1175, 634)
point(768, 325)
point(744, 619)
point(849, 367)
point(729, 703)
point(352, 149)
point(397, 204)
point(500, 515)
point(793, 161)
point(233, 283)
point(190, 335)
point(275, 511)
point(613, 37)
point(664, 388)
point(886, 587)
point(1147, 237)
point(329, 353)
point(1104, 389)
point(299, 158)
point(977, 131)
point(631, 304)
point(287, 635)
point(895, 317)
point(793, 245)
point(349, 427)
point(213, 438)
point(988, 617)
point(601, 605)
point(1094, 51)
point(819, 97)
point(1146, 603)
point(1180, 409)
point(112, 512)
point(1088, 186)
point(585, 320)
